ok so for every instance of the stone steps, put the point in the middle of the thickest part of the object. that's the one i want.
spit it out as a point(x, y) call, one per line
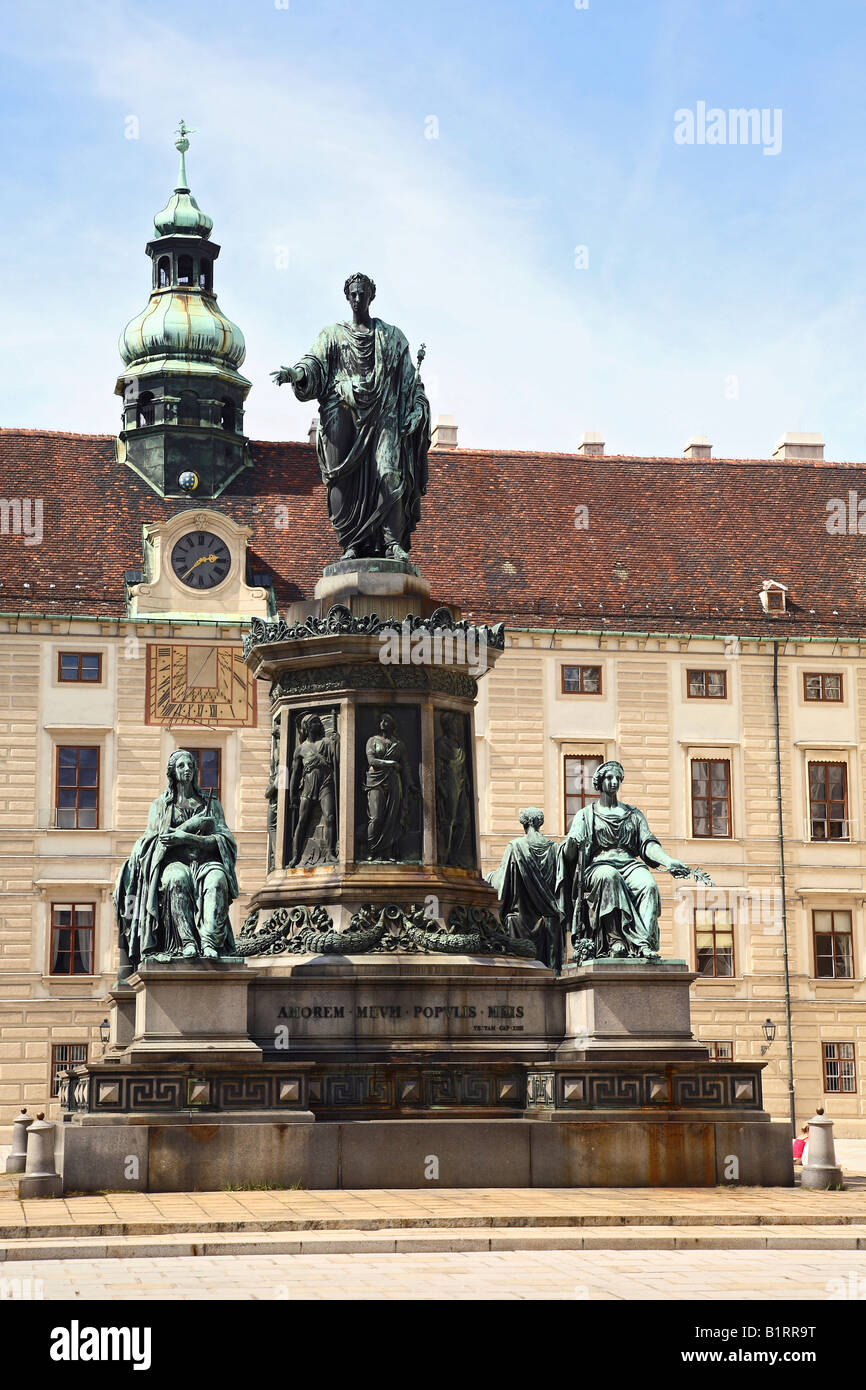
point(406, 1239)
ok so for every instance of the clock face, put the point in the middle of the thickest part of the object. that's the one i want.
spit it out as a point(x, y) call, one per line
point(200, 560)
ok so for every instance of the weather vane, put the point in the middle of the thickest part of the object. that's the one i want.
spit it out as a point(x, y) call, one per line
point(183, 131)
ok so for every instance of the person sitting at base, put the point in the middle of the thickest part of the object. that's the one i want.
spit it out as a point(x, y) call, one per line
point(800, 1143)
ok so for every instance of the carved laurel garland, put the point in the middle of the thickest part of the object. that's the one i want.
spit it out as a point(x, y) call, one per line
point(340, 619)
point(297, 930)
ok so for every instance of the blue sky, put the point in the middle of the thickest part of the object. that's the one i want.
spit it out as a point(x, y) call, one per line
point(724, 291)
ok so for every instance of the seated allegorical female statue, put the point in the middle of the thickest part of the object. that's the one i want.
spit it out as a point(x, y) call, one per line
point(173, 893)
point(608, 895)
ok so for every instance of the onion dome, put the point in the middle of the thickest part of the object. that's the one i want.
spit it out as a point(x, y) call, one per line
point(182, 215)
point(177, 325)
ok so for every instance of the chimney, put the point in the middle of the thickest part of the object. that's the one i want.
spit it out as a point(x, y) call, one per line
point(591, 443)
point(313, 430)
point(799, 446)
point(698, 447)
point(444, 432)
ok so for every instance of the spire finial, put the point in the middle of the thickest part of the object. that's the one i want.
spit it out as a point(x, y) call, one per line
point(182, 144)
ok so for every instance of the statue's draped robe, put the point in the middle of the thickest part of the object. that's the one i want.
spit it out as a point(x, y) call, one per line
point(142, 905)
point(452, 796)
point(525, 883)
point(317, 784)
point(387, 796)
point(367, 389)
point(620, 895)
point(318, 768)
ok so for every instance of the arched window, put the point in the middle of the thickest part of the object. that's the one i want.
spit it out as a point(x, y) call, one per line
point(163, 272)
point(184, 270)
point(205, 274)
point(189, 408)
point(227, 416)
point(144, 409)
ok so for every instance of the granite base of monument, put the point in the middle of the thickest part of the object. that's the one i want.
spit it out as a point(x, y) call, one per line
point(362, 1067)
point(520, 1152)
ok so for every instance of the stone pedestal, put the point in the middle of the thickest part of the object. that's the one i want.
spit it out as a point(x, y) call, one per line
point(621, 1008)
point(375, 643)
point(465, 1056)
point(190, 1010)
point(388, 588)
point(121, 1017)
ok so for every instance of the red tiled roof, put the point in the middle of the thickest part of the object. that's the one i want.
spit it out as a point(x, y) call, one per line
point(497, 535)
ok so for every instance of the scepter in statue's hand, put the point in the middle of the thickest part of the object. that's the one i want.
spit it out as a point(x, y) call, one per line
point(414, 419)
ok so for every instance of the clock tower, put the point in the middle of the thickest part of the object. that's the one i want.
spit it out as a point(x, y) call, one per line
point(183, 396)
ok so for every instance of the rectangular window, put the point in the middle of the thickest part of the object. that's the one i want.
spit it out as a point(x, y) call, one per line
point(840, 1073)
point(708, 685)
point(834, 950)
point(711, 798)
point(581, 680)
point(721, 1051)
point(72, 938)
point(209, 768)
point(579, 791)
point(65, 1055)
point(77, 789)
point(822, 686)
point(714, 942)
point(828, 801)
point(79, 666)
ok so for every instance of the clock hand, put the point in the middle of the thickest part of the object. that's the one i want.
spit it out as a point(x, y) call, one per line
point(200, 561)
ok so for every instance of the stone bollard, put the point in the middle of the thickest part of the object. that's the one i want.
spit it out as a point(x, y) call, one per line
point(40, 1177)
point(17, 1156)
point(822, 1171)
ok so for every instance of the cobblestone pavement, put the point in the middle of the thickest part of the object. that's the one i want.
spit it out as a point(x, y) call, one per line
point(137, 1213)
point(554, 1274)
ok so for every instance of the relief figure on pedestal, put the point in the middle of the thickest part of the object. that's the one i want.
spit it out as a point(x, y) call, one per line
point(272, 795)
point(608, 895)
point(526, 885)
point(173, 893)
point(389, 784)
point(313, 792)
point(374, 427)
point(453, 799)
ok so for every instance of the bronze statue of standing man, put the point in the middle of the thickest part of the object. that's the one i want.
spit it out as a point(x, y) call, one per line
point(374, 427)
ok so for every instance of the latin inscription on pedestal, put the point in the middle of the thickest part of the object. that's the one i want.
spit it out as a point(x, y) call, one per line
point(338, 1014)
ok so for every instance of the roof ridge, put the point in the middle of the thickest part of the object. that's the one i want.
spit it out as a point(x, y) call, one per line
point(52, 434)
point(715, 462)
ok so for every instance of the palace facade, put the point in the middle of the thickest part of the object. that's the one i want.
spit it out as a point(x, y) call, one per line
point(699, 619)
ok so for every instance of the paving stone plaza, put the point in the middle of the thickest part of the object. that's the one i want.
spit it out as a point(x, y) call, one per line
point(584, 1245)
point(565, 1275)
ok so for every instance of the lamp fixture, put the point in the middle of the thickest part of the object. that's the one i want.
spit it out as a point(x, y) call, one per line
point(768, 1028)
